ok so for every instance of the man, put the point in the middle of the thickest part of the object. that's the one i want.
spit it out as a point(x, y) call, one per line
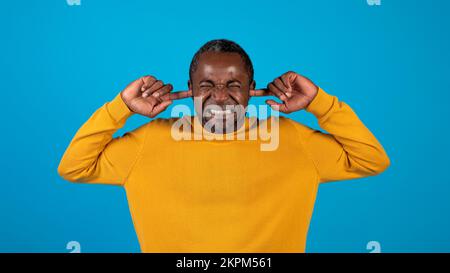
point(225, 195)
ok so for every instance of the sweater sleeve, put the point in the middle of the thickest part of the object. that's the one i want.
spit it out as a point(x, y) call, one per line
point(94, 156)
point(349, 150)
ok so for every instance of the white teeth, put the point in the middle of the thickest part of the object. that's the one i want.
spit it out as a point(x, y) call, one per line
point(221, 112)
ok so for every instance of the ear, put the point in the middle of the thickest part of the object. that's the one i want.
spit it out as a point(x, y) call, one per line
point(253, 85)
point(189, 84)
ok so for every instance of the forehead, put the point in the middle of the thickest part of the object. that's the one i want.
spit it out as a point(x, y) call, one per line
point(219, 65)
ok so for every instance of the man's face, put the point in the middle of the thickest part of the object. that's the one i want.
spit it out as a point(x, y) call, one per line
point(221, 88)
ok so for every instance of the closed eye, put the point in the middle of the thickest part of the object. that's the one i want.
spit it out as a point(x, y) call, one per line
point(234, 84)
point(205, 87)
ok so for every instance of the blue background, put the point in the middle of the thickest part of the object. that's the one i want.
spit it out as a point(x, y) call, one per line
point(59, 63)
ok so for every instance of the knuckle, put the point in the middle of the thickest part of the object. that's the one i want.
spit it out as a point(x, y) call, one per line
point(157, 85)
point(148, 78)
point(168, 87)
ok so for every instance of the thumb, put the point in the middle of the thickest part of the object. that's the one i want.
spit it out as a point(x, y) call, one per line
point(132, 91)
point(135, 86)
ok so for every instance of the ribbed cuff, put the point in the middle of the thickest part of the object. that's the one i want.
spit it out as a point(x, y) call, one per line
point(118, 109)
point(321, 104)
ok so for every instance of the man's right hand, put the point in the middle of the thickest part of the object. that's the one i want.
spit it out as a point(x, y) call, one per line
point(148, 96)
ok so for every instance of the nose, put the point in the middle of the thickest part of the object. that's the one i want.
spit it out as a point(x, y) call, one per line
point(220, 93)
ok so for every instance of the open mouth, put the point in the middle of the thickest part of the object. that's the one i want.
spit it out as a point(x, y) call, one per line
point(217, 113)
point(220, 111)
point(222, 118)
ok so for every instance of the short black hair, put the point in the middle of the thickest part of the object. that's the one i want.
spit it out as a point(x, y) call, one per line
point(224, 46)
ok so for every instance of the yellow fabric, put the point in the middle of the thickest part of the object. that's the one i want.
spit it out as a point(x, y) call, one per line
point(222, 196)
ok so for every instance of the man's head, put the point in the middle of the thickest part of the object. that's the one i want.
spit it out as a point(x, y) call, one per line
point(221, 76)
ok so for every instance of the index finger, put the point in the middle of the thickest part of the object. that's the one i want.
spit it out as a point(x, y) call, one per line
point(261, 92)
point(177, 95)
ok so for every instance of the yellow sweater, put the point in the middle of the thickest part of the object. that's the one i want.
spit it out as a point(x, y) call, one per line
point(222, 195)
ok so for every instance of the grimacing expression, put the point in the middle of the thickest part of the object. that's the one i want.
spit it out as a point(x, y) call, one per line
point(221, 89)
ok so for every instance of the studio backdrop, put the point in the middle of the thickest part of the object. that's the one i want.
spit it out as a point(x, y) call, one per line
point(388, 59)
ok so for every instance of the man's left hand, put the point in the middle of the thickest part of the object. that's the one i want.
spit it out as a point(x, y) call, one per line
point(295, 91)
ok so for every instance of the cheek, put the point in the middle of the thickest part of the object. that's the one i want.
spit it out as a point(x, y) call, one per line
point(198, 92)
point(242, 96)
